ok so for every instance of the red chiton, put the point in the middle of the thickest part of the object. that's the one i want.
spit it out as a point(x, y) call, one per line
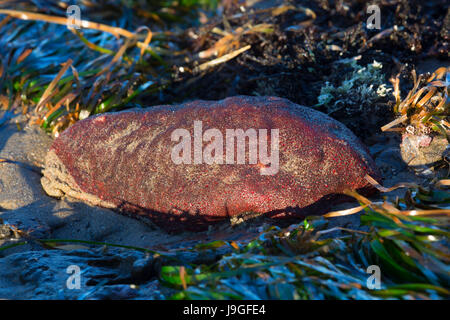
point(208, 159)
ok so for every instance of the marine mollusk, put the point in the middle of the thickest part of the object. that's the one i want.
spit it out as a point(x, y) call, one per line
point(183, 161)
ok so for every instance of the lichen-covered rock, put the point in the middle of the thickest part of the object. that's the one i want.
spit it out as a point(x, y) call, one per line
point(135, 160)
point(422, 150)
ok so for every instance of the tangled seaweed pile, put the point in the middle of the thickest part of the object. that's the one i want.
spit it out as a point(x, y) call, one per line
point(295, 263)
point(281, 49)
point(69, 73)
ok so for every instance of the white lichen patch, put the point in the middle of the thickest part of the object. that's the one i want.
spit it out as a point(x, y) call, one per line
point(359, 87)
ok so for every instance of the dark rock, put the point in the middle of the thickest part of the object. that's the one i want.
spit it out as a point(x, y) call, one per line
point(124, 160)
point(143, 269)
point(49, 274)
